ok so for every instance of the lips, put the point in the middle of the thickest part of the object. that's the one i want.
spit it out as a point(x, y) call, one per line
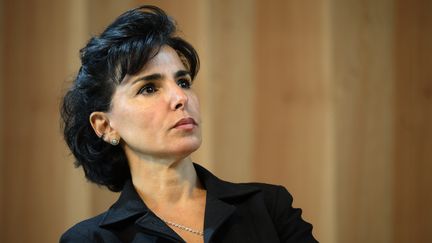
point(185, 123)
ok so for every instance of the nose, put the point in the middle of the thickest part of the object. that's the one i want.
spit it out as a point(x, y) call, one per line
point(178, 98)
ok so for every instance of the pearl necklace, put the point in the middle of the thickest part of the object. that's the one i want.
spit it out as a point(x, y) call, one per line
point(182, 227)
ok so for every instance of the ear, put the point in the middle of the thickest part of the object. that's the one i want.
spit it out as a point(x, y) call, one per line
point(101, 125)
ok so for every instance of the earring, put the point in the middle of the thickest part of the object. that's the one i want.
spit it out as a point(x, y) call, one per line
point(114, 142)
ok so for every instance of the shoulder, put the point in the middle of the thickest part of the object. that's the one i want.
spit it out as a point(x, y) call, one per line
point(225, 189)
point(288, 220)
point(274, 196)
point(270, 192)
point(84, 231)
point(277, 200)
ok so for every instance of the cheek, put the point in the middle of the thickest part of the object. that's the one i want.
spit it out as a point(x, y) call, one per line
point(144, 118)
point(194, 104)
point(133, 119)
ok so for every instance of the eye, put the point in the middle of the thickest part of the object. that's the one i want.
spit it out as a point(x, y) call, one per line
point(184, 83)
point(147, 89)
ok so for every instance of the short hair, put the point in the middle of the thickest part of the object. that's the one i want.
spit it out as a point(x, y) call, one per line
point(123, 48)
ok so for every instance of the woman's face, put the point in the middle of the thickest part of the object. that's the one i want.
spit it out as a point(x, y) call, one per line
point(155, 112)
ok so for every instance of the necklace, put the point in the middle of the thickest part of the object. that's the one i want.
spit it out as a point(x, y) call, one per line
point(182, 227)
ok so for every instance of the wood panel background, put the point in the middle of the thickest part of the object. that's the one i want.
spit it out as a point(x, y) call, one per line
point(332, 99)
point(413, 122)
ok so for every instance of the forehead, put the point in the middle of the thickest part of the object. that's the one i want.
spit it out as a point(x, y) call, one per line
point(166, 62)
point(167, 57)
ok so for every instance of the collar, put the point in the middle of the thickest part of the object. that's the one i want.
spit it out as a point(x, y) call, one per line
point(130, 204)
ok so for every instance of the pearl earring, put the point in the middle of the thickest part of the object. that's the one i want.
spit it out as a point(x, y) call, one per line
point(114, 142)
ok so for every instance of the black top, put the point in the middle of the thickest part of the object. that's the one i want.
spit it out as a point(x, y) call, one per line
point(243, 212)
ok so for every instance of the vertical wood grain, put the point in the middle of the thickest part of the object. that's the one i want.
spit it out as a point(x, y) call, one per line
point(293, 107)
point(363, 91)
point(232, 85)
point(2, 159)
point(413, 122)
point(33, 197)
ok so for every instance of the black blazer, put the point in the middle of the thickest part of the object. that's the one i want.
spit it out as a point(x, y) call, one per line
point(244, 212)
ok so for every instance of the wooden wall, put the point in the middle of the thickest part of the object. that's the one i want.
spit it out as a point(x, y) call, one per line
point(363, 75)
point(332, 99)
point(412, 166)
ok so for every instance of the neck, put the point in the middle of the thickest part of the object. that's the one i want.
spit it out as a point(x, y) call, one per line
point(165, 183)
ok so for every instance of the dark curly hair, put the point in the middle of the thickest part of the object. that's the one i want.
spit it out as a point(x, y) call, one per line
point(123, 48)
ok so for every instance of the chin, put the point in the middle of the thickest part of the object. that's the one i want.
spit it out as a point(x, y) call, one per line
point(187, 148)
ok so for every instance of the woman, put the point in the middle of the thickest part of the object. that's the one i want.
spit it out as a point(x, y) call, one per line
point(132, 120)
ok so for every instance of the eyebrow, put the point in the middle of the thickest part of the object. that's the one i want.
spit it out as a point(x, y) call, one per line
point(151, 77)
point(181, 73)
point(158, 76)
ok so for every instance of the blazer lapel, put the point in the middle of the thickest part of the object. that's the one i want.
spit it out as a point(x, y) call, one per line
point(216, 213)
point(129, 206)
point(218, 209)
